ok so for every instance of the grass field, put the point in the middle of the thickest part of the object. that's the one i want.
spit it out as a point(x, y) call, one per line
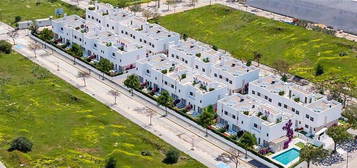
point(123, 3)
point(28, 9)
point(242, 33)
point(67, 127)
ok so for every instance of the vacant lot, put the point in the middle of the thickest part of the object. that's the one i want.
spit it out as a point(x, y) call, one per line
point(242, 33)
point(29, 9)
point(67, 127)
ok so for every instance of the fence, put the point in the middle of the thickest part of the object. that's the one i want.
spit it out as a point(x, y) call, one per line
point(261, 159)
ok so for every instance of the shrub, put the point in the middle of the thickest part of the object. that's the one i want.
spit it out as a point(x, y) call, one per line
point(249, 63)
point(172, 156)
point(297, 99)
point(5, 47)
point(105, 65)
point(198, 55)
point(281, 93)
point(215, 48)
point(146, 153)
point(46, 34)
point(111, 163)
point(17, 19)
point(21, 144)
point(284, 78)
point(164, 71)
point(184, 36)
point(246, 112)
point(265, 118)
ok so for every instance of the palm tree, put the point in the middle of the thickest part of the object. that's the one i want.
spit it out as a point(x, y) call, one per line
point(310, 153)
point(114, 93)
point(83, 75)
point(257, 56)
point(248, 140)
point(165, 100)
point(132, 82)
point(34, 47)
point(207, 118)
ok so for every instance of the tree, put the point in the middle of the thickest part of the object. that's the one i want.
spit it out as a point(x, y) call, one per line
point(13, 34)
point(132, 82)
point(257, 56)
point(115, 94)
point(21, 144)
point(233, 156)
point(147, 14)
point(76, 50)
point(281, 66)
point(105, 65)
point(33, 27)
point(207, 118)
point(310, 153)
point(248, 140)
point(184, 36)
point(170, 2)
point(319, 70)
point(338, 134)
point(5, 47)
point(135, 8)
point(46, 34)
point(83, 75)
point(165, 100)
point(34, 46)
point(351, 114)
point(172, 156)
point(17, 19)
point(111, 163)
point(193, 2)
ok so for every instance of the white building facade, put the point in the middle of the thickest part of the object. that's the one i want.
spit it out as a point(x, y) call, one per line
point(247, 113)
point(312, 111)
point(114, 34)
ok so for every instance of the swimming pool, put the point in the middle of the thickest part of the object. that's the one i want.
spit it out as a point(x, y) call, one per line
point(287, 156)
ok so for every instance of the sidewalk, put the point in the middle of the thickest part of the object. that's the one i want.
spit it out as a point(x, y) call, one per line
point(2, 165)
point(172, 130)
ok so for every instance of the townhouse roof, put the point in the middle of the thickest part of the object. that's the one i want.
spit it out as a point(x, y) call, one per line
point(181, 73)
point(254, 107)
point(314, 101)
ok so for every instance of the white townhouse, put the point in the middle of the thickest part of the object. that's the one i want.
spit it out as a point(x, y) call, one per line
point(98, 43)
point(114, 34)
point(218, 65)
point(153, 37)
point(312, 111)
point(246, 113)
point(187, 86)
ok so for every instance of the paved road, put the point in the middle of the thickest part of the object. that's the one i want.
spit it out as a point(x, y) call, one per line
point(172, 130)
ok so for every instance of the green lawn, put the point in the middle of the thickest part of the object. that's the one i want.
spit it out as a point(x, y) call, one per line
point(68, 127)
point(28, 9)
point(242, 33)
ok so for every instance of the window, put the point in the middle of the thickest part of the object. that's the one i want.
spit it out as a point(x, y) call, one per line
point(242, 122)
point(267, 135)
point(215, 75)
point(253, 92)
point(220, 76)
point(225, 113)
point(266, 97)
point(147, 71)
point(306, 126)
point(191, 94)
point(165, 82)
point(293, 109)
point(107, 25)
point(285, 106)
point(203, 70)
point(196, 66)
point(258, 93)
point(113, 54)
point(233, 116)
point(270, 100)
point(112, 27)
point(279, 104)
point(311, 119)
point(307, 116)
point(172, 86)
point(297, 112)
point(255, 125)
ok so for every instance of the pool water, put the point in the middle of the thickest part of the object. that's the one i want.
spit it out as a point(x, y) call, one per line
point(287, 156)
